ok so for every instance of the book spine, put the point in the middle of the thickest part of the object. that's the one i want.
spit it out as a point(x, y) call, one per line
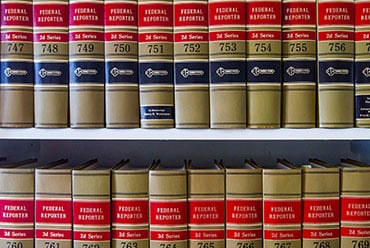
point(335, 55)
point(91, 208)
point(243, 208)
point(299, 64)
point(121, 62)
point(130, 206)
point(53, 208)
point(191, 64)
point(355, 208)
point(86, 63)
point(167, 209)
point(227, 44)
point(264, 63)
point(282, 208)
point(156, 64)
point(16, 86)
point(362, 69)
point(17, 208)
point(321, 207)
point(206, 206)
point(50, 51)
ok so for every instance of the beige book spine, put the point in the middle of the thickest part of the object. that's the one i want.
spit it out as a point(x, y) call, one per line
point(130, 223)
point(17, 207)
point(91, 208)
point(53, 208)
point(206, 200)
point(121, 58)
point(355, 207)
point(244, 208)
point(51, 63)
point(168, 212)
point(282, 208)
point(321, 207)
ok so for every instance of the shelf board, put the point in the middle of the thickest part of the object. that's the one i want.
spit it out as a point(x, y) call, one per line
point(185, 134)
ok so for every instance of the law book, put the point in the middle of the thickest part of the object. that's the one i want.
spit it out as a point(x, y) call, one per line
point(335, 58)
point(355, 204)
point(86, 63)
point(50, 51)
point(53, 205)
point(17, 84)
point(167, 206)
point(91, 205)
point(282, 206)
point(130, 205)
point(191, 69)
point(156, 86)
point(362, 69)
point(321, 205)
point(17, 204)
point(206, 205)
point(227, 48)
point(121, 62)
point(299, 64)
point(244, 205)
point(264, 63)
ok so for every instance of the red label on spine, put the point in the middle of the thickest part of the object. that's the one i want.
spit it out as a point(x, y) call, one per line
point(206, 234)
point(17, 211)
point(206, 212)
point(91, 236)
point(264, 13)
point(86, 13)
point(227, 35)
point(155, 15)
point(362, 36)
point(282, 235)
point(130, 234)
point(50, 15)
point(356, 232)
point(299, 35)
point(16, 36)
point(299, 13)
point(168, 235)
point(121, 36)
point(362, 13)
point(51, 37)
point(355, 209)
point(54, 211)
point(191, 14)
point(86, 36)
point(336, 13)
point(16, 14)
point(264, 35)
point(191, 37)
point(156, 37)
point(330, 233)
point(336, 35)
point(317, 211)
point(16, 234)
point(227, 13)
point(131, 212)
point(243, 234)
point(283, 212)
point(92, 213)
point(120, 14)
point(53, 234)
point(168, 213)
point(244, 211)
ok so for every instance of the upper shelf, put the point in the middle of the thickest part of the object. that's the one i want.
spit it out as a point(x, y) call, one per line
point(186, 134)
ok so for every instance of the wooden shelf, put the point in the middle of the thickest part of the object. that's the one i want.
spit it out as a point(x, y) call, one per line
point(185, 134)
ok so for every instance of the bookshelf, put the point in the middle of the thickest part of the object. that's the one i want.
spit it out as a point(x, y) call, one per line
point(175, 145)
